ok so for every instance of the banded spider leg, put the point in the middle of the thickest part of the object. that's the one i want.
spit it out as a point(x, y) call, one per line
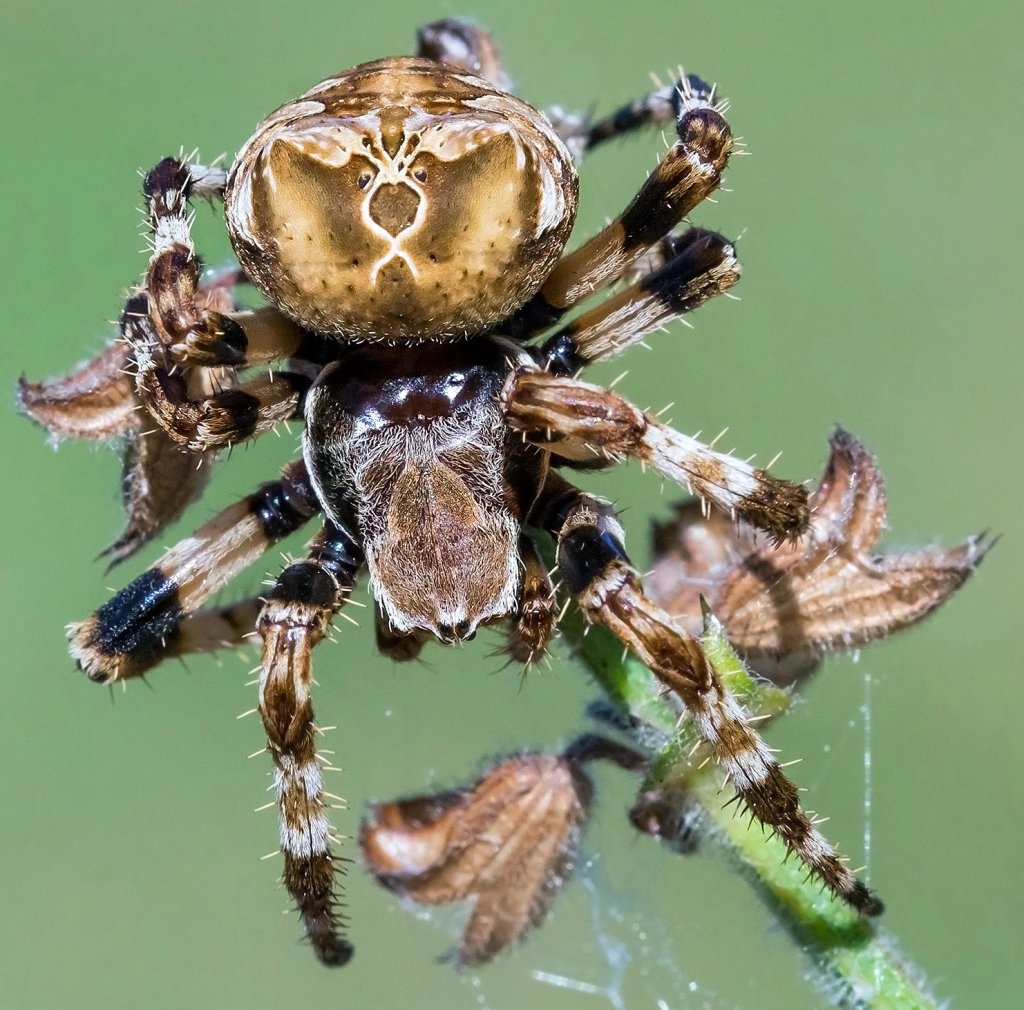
point(160, 615)
point(584, 423)
point(294, 619)
point(595, 568)
point(688, 173)
point(98, 400)
point(171, 331)
point(464, 46)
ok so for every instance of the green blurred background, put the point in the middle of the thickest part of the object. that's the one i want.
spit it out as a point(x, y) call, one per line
point(880, 217)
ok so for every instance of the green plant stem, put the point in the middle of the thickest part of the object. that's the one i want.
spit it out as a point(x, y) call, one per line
point(858, 965)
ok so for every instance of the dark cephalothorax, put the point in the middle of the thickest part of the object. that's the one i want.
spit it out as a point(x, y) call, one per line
point(406, 223)
point(439, 481)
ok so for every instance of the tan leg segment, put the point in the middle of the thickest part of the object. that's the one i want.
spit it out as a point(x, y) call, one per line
point(293, 621)
point(704, 265)
point(584, 423)
point(688, 173)
point(142, 624)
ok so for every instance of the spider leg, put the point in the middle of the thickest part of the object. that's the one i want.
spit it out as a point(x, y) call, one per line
point(688, 173)
point(534, 622)
point(581, 422)
point(99, 400)
point(200, 424)
point(596, 570)
point(461, 44)
point(704, 265)
point(193, 332)
point(213, 628)
point(400, 646)
point(294, 618)
point(209, 629)
point(145, 622)
point(662, 105)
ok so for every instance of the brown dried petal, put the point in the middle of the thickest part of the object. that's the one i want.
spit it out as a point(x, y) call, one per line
point(97, 400)
point(784, 606)
point(159, 478)
point(508, 842)
point(693, 552)
point(830, 592)
point(158, 482)
point(849, 506)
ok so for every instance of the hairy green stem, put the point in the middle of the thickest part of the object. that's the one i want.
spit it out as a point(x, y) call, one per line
point(859, 967)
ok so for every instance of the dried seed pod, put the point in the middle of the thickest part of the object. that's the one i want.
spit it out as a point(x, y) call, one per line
point(508, 842)
point(98, 401)
point(784, 606)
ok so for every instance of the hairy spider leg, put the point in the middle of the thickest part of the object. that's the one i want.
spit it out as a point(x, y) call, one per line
point(220, 419)
point(145, 622)
point(662, 105)
point(460, 44)
point(464, 46)
point(192, 333)
point(294, 619)
point(210, 629)
point(533, 624)
point(99, 400)
point(659, 254)
point(687, 174)
point(704, 265)
point(596, 570)
point(581, 422)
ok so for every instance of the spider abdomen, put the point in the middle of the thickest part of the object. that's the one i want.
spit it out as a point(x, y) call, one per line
point(401, 200)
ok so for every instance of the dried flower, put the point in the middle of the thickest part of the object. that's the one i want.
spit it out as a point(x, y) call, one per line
point(784, 606)
point(98, 401)
point(508, 842)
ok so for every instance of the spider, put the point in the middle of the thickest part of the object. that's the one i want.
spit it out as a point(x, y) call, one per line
point(406, 224)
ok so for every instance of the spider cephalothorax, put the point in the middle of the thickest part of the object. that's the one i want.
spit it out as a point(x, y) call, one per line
point(406, 222)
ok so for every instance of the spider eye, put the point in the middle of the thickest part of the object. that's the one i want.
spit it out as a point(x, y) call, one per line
point(364, 180)
point(420, 175)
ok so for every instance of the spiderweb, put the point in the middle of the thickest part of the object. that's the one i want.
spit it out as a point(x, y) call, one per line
point(635, 953)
